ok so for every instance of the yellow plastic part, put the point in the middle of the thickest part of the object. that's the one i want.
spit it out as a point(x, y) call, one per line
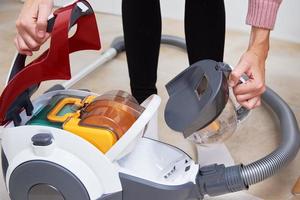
point(103, 139)
point(53, 114)
point(89, 99)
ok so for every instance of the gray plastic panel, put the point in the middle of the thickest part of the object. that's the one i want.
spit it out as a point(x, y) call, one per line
point(32, 173)
point(197, 96)
point(140, 189)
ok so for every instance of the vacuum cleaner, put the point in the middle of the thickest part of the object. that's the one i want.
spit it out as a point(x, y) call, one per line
point(71, 144)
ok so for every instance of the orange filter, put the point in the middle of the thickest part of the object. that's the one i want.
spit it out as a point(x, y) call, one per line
point(115, 110)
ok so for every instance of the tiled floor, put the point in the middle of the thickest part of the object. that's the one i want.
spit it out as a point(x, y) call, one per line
point(253, 139)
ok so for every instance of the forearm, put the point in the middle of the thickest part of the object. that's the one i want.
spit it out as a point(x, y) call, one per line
point(259, 42)
point(261, 16)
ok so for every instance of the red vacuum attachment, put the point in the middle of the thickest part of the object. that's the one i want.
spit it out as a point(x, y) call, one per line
point(54, 63)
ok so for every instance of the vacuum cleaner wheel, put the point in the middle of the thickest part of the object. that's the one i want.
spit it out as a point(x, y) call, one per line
point(38, 179)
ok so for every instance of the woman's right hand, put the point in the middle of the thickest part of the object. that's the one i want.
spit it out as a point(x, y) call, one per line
point(32, 24)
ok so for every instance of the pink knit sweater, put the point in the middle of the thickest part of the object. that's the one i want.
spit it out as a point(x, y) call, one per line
point(262, 13)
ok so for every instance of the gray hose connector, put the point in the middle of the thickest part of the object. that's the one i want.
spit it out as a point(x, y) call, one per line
point(288, 148)
point(215, 180)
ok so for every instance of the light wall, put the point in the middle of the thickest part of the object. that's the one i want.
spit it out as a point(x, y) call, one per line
point(287, 26)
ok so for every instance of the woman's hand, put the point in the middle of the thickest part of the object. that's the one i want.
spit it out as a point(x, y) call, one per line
point(252, 63)
point(32, 24)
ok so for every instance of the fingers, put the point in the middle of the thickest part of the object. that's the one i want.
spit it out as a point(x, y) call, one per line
point(251, 103)
point(238, 71)
point(26, 26)
point(32, 24)
point(22, 46)
point(247, 96)
point(252, 86)
point(25, 38)
point(246, 93)
point(44, 11)
point(31, 43)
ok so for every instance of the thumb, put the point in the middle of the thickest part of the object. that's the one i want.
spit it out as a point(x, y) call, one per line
point(237, 73)
point(44, 10)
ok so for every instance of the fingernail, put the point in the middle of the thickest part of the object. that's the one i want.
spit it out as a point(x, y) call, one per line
point(41, 34)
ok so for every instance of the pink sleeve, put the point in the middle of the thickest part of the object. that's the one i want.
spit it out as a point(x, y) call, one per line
point(262, 13)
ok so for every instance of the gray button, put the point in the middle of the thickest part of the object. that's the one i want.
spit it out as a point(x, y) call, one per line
point(42, 139)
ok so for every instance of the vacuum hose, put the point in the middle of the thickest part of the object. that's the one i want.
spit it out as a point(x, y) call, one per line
point(288, 148)
point(218, 179)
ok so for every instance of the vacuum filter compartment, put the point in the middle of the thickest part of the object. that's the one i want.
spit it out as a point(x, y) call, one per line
point(56, 111)
point(101, 120)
